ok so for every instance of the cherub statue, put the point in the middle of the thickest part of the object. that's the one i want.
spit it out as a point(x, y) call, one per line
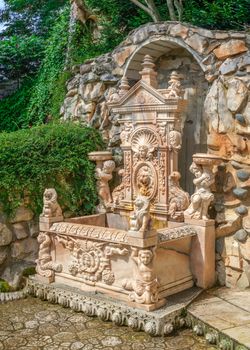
point(145, 285)
point(51, 208)
point(178, 199)
point(103, 176)
point(174, 89)
point(140, 219)
point(202, 197)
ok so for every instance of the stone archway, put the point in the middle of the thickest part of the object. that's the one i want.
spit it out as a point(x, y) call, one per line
point(173, 54)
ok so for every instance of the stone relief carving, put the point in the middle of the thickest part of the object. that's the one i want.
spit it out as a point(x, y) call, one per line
point(203, 196)
point(126, 132)
point(170, 234)
point(86, 231)
point(145, 285)
point(144, 180)
point(175, 140)
point(118, 192)
point(91, 260)
point(144, 143)
point(51, 208)
point(103, 176)
point(162, 130)
point(140, 219)
point(45, 266)
point(178, 199)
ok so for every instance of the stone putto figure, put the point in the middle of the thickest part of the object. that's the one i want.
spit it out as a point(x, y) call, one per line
point(174, 89)
point(178, 199)
point(51, 208)
point(103, 176)
point(145, 286)
point(202, 197)
point(140, 219)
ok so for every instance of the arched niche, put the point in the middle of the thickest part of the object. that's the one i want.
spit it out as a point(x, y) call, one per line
point(173, 54)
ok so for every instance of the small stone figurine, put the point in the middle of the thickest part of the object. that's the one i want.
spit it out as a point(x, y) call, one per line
point(202, 197)
point(51, 208)
point(103, 176)
point(140, 219)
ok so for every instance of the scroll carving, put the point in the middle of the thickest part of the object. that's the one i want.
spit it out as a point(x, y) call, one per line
point(144, 288)
point(203, 196)
point(118, 192)
point(91, 260)
point(45, 266)
point(51, 208)
point(178, 199)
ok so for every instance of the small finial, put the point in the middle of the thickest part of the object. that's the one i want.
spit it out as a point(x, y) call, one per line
point(124, 86)
point(148, 74)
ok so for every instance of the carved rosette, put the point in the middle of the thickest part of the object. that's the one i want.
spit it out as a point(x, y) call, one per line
point(91, 260)
point(45, 266)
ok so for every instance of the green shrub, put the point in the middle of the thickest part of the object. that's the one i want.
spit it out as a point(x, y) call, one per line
point(53, 155)
point(29, 271)
point(4, 286)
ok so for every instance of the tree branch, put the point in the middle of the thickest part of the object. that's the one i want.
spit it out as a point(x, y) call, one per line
point(149, 9)
point(171, 10)
point(179, 7)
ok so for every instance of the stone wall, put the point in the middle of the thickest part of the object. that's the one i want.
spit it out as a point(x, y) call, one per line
point(215, 66)
point(18, 244)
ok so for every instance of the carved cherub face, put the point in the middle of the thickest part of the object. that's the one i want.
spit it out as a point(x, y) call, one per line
point(143, 151)
point(145, 256)
point(196, 170)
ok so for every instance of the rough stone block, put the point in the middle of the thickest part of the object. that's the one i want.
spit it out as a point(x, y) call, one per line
point(21, 230)
point(5, 235)
point(22, 214)
point(230, 48)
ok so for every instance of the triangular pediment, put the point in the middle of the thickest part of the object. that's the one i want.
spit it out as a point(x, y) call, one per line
point(141, 94)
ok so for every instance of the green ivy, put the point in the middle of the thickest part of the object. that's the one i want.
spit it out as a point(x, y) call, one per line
point(47, 93)
point(53, 155)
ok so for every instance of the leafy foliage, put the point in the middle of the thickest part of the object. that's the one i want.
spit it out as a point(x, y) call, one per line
point(54, 155)
point(27, 17)
point(51, 71)
point(218, 14)
point(4, 286)
point(13, 109)
point(20, 55)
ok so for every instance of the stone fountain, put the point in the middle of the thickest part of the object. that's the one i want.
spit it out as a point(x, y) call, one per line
point(148, 241)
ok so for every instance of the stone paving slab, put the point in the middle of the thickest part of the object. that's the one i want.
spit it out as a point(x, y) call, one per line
point(226, 311)
point(32, 324)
